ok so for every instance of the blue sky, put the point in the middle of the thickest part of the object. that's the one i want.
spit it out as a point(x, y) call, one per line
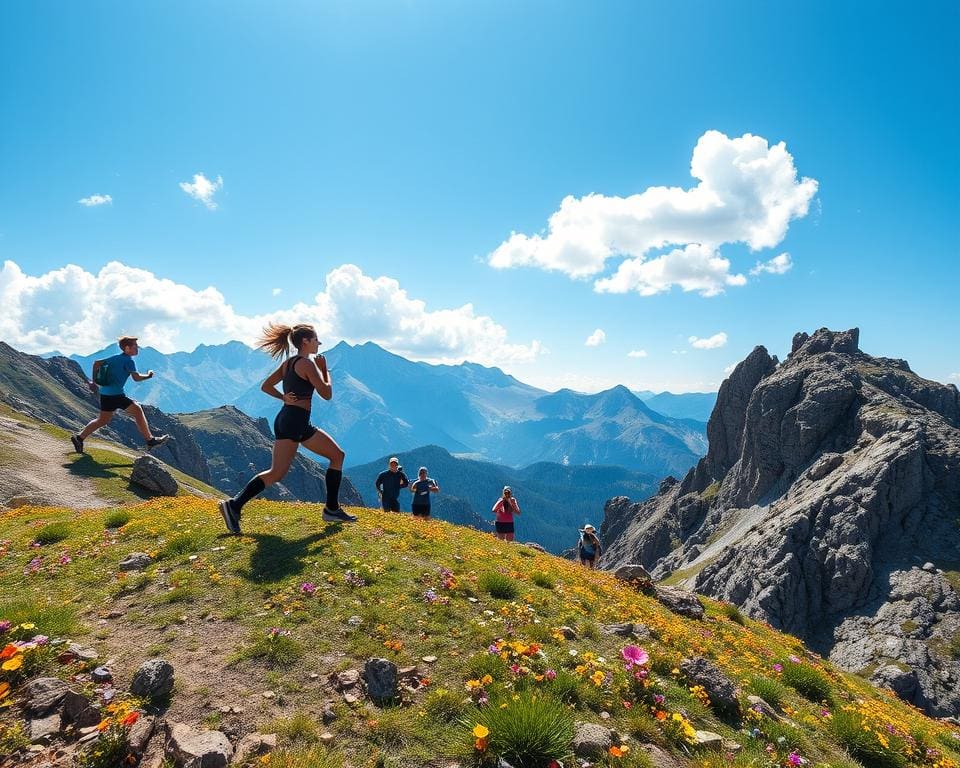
point(374, 156)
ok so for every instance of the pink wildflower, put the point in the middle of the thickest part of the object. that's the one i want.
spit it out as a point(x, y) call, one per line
point(634, 655)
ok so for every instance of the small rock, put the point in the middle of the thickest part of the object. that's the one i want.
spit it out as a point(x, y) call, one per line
point(618, 630)
point(326, 738)
point(930, 567)
point(101, 675)
point(43, 694)
point(604, 715)
point(680, 601)
point(140, 734)
point(154, 679)
point(591, 740)
point(658, 757)
point(381, 678)
point(269, 695)
point(149, 473)
point(314, 676)
point(633, 572)
point(192, 749)
point(81, 653)
point(762, 707)
point(731, 746)
point(405, 673)
point(429, 659)
point(709, 740)
point(254, 745)
point(78, 711)
point(354, 621)
point(569, 633)
point(348, 679)
point(135, 561)
point(329, 714)
point(721, 689)
point(351, 698)
point(43, 729)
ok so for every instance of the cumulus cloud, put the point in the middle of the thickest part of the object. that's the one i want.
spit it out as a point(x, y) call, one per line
point(778, 265)
point(748, 192)
point(203, 190)
point(637, 353)
point(76, 311)
point(596, 338)
point(714, 342)
point(954, 376)
point(94, 200)
point(276, 291)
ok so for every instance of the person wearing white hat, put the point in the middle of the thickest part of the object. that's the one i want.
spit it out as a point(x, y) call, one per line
point(505, 508)
point(421, 488)
point(389, 482)
point(589, 547)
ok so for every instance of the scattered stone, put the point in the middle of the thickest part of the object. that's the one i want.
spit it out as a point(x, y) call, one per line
point(154, 679)
point(44, 694)
point(351, 698)
point(731, 746)
point(406, 673)
point(101, 675)
point(82, 653)
point(659, 758)
point(619, 630)
point(680, 601)
point(929, 567)
point(632, 572)
point(329, 714)
point(381, 678)
point(43, 729)
point(708, 740)
point(762, 707)
point(720, 688)
point(254, 745)
point(78, 711)
point(348, 679)
point(326, 738)
point(191, 749)
point(149, 473)
point(569, 633)
point(354, 621)
point(591, 740)
point(429, 659)
point(140, 734)
point(604, 715)
point(533, 545)
point(135, 561)
point(314, 676)
point(269, 695)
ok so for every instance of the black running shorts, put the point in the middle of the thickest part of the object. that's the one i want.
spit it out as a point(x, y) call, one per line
point(504, 527)
point(390, 505)
point(115, 402)
point(421, 510)
point(293, 423)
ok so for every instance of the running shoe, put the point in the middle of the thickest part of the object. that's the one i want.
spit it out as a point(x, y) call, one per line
point(77, 443)
point(156, 440)
point(337, 516)
point(230, 516)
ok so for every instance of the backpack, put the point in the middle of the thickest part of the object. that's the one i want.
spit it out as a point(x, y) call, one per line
point(102, 378)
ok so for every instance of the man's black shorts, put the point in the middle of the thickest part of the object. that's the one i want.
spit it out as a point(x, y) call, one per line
point(421, 510)
point(504, 527)
point(390, 505)
point(115, 402)
point(293, 423)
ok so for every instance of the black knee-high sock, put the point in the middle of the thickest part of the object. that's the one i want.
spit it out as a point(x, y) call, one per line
point(334, 476)
point(251, 489)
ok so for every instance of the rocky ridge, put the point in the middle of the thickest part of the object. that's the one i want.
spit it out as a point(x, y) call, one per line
point(827, 505)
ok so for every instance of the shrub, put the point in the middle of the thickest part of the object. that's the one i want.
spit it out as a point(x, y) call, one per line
point(643, 727)
point(116, 519)
point(769, 690)
point(444, 706)
point(733, 613)
point(565, 687)
point(108, 751)
point(529, 732)
point(497, 585)
point(807, 681)
point(52, 533)
point(543, 579)
point(848, 729)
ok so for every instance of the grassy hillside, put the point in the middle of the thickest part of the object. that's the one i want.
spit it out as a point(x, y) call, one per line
point(253, 626)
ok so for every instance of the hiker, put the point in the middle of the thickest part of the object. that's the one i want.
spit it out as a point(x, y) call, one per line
point(421, 488)
point(301, 375)
point(505, 508)
point(389, 482)
point(109, 377)
point(589, 547)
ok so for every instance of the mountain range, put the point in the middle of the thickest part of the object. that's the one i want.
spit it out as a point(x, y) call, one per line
point(828, 506)
point(385, 404)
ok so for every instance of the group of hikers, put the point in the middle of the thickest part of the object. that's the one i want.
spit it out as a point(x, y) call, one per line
point(299, 376)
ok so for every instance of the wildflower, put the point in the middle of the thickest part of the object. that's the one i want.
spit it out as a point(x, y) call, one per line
point(131, 719)
point(12, 664)
point(620, 751)
point(598, 677)
point(308, 588)
point(550, 674)
point(634, 656)
point(795, 759)
point(64, 559)
point(481, 733)
point(778, 668)
point(4, 690)
point(5, 626)
point(794, 659)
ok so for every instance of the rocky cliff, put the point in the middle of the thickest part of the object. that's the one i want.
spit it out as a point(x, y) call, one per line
point(828, 505)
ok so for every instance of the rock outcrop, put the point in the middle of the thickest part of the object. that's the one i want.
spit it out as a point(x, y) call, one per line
point(827, 504)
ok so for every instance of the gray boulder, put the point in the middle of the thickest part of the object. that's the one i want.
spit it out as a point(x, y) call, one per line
point(44, 729)
point(150, 474)
point(591, 740)
point(902, 682)
point(135, 561)
point(78, 711)
point(632, 572)
point(680, 601)
point(254, 745)
point(140, 734)
point(721, 689)
point(154, 679)
point(197, 749)
point(44, 694)
point(381, 677)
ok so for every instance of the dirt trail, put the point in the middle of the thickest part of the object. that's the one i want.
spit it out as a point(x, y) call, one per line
point(34, 469)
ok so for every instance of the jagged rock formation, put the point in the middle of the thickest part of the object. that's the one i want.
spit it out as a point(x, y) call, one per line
point(828, 505)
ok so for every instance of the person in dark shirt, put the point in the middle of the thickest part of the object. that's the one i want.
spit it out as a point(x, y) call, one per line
point(421, 488)
point(389, 482)
point(589, 547)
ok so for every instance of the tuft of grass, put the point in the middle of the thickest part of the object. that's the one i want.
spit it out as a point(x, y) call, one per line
point(862, 743)
point(280, 651)
point(953, 647)
point(769, 690)
point(807, 681)
point(543, 579)
point(117, 518)
point(497, 585)
point(51, 620)
point(13, 738)
point(483, 663)
point(445, 706)
point(733, 613)
point(187, 543)
point(53, 533)
point(318, 757)
point(298, 729)
point(528, 732)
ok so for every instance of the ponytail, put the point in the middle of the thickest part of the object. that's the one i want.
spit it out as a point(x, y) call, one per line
point(277, 338)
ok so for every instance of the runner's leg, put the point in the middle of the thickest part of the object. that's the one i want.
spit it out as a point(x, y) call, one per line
point(136, 411)
point(102, 420)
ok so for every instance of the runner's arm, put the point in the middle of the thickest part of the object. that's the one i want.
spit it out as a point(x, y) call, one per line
point(269, 386)
point(319, 376)
point(137, 376)
point(93, 378)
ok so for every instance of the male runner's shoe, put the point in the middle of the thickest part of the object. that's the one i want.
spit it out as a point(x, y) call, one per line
point(337, 516)
point(77, 443)
point(230, 516)
point(156, 440)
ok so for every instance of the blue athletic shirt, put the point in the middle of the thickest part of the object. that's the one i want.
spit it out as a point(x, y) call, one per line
point(421, 491)
point(119, 369)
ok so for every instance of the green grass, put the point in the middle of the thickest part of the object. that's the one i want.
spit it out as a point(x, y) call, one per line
point(497, 585)
point(53, 533)
point(862, 744)
point(116, 518)
point(769, 690)
point(297, 730)
point(733, 613)
point(279, 650)
point(807, 681)
point(51, 619)
point(543, 579)
point(528, 732)
point(953, 647)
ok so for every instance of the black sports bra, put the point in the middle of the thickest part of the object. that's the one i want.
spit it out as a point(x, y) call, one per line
point(292, 382)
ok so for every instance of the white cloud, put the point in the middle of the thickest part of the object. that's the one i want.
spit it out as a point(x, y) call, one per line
point(596, 338)
point(954, 376)
point(276, 291)
point(202, 189)
point(729, 369)
point(76, 311)
point(637, 353)
point(93, 200)
point(714, 342)
point(778, 265)
point(748, 192)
